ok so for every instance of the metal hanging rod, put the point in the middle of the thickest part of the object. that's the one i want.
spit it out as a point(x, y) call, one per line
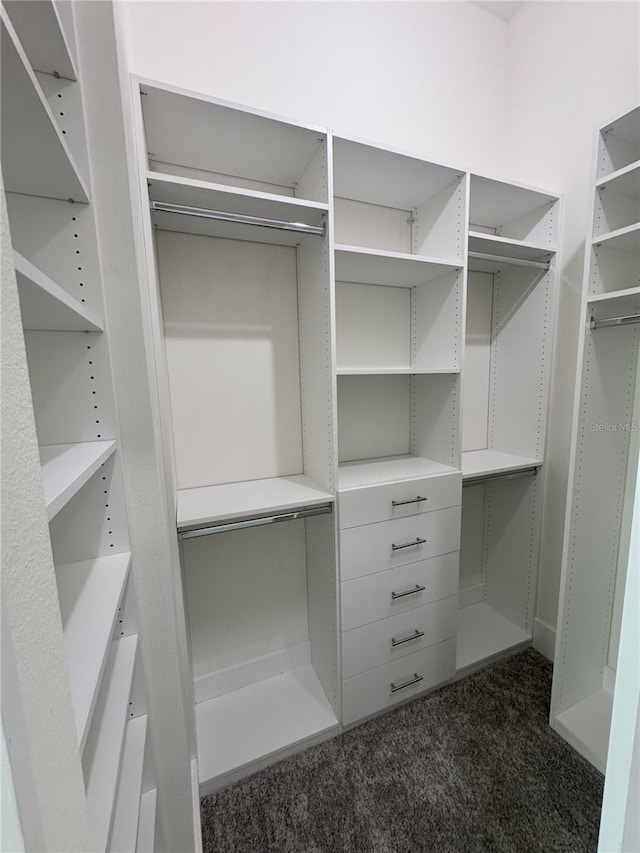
point(240, 218)
point(506, 475)
point(614, 321)
point(305, 512)
point(514, 262)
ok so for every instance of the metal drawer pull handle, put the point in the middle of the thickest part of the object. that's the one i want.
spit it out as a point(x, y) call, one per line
point(415, 636)
point(416, 678)
point(417, 588)
point(417, 541)
point(410, 501)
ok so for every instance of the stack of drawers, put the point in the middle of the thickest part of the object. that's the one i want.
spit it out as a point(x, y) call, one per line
point(399, 555)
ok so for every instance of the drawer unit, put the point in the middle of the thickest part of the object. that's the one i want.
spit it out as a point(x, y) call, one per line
point(376, 547)
point(396, 500)
point(379, 688)
point(374, 597)
point(380, 642)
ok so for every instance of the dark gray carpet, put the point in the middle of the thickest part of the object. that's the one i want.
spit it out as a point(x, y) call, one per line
point(471, 768)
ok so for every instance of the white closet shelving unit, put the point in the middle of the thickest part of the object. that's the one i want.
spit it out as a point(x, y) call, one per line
point(604, 456)
point(47, 179)
point(512, 241)
point(242, 313)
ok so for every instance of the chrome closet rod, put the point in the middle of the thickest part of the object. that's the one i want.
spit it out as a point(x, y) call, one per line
point(614, 321)
point(306, 512)
point(506, 475)
point(514, 262)
point(240, 218)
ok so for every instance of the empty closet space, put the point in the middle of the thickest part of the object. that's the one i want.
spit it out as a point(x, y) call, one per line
point(45, 165)
point(509, 321)
point(243, 285)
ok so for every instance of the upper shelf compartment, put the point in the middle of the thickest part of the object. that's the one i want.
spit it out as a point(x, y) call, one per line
point(617, 201)
point(506, 210)
point(249, 149)
point(619, 144)
point(396, 203)
point(36, 159)
point(44, 36)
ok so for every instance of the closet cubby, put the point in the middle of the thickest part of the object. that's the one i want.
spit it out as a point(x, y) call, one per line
point(604, 455)
point(46, 176)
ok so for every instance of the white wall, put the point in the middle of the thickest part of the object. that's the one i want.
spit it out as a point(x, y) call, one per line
point(571, 68)
point(426, 77)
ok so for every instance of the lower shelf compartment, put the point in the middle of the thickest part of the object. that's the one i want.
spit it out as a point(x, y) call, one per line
point(485, 635)
point(586, 726)
point(239, 729)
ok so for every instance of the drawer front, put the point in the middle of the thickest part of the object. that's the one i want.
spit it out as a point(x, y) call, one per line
point(370, 598)
point(375, 503)
point(376, 547)
point(372, 691)
point(389, 639)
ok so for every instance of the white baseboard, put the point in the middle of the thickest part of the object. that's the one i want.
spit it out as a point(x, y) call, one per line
point(544, 638)
point(250, 672)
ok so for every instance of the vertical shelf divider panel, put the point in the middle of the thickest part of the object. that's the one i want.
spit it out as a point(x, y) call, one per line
point(604, 453)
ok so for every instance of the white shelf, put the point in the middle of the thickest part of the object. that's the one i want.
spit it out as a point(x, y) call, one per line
point(174, 189)
point(391, 371)
point(485, 635)
point(491, 244)
point(586, 727)
point(42, 37)
point(46, 305)
point(67, 467)
point(36, 159)
point(126, 813)
point(146, 842)
point(392, 269)
point(618, 301)
point(89, 593)
point(237, 729)
point(252, 497)
point(625, 181)
point(480, 463)
point(625, 239)
point(102, 755)
point(369, 472)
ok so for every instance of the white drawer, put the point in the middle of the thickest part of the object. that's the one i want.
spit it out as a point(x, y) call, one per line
point(368, 549)
point(373, 690)
point(376, 503)
point(398, 636)
point(369, 598)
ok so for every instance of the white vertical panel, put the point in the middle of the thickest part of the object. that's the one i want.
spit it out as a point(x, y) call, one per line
point(437, 311)
point(313, 183)
point(373, 416)
point(64, 99)
point(439, 223)
point(322, 603)
point(472, 537)
point(435, 418)
point(477, 361)
point(373, 325)
point(537, 226)
point(246, 593)
point(231, 332)
point(612, 270)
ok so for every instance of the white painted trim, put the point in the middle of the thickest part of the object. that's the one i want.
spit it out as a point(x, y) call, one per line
point(251, 672)
point(544, 638)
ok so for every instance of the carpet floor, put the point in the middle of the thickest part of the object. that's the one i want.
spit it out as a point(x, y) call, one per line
point(470, 768)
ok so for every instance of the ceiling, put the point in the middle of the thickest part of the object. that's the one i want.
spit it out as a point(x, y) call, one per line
point(500, 8)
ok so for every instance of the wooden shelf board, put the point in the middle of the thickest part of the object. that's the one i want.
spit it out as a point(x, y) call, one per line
point(492, 244)
point(89, 593)
point(250, 498)
point(625, 181)
point(586, 727)
point(485, 635)
point(478, 463)
point(194, 193)
point(126, 813)
point(46, 305)
point(624, 239)
point(392, 269)
point(36, 159)
point(147, 823)
point(42, 36)
point(67, 467)
point(239, 728)
point(391, 371)
point(370, 472)
point(102, 755)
